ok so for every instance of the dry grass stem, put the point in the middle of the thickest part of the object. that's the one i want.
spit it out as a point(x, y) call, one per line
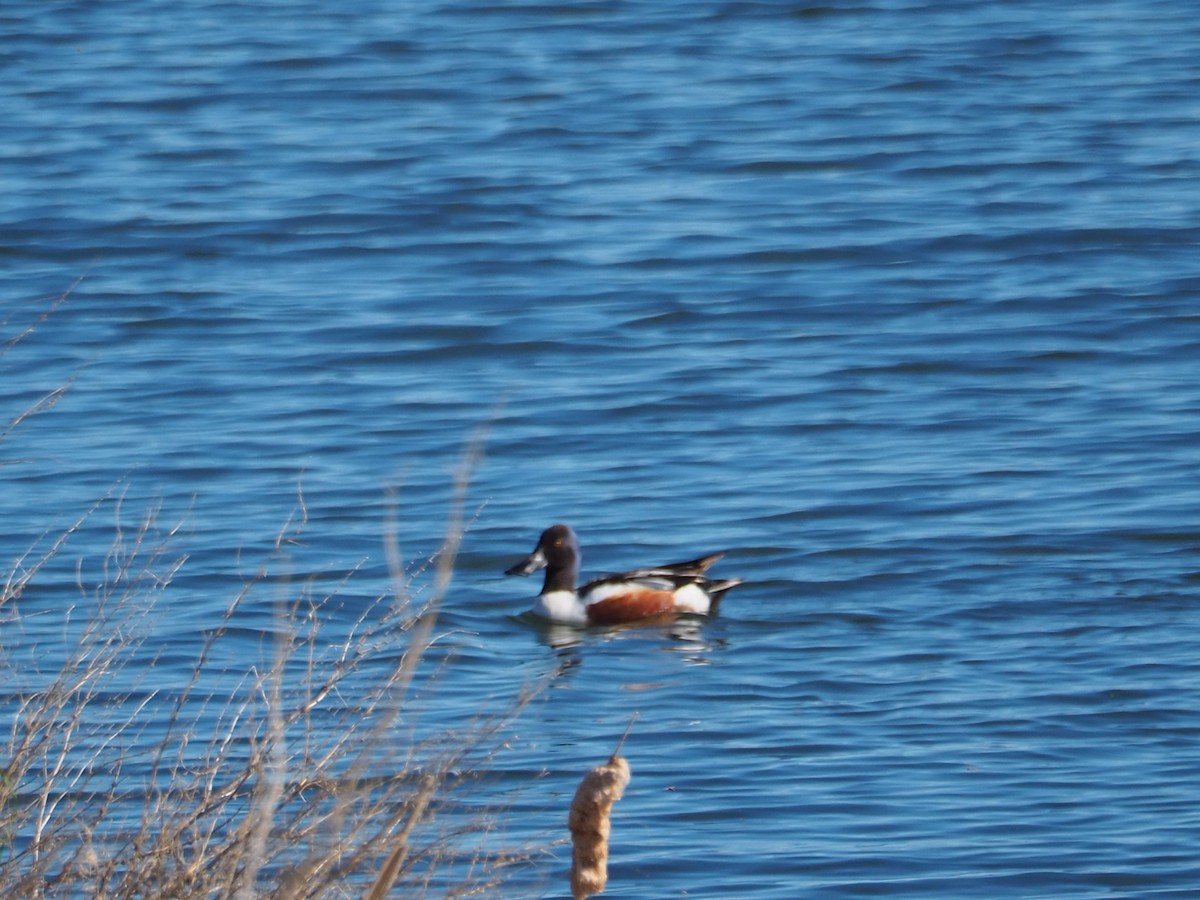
point(48, 399)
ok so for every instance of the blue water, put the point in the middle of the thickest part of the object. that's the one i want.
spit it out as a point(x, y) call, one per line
point(898, 301)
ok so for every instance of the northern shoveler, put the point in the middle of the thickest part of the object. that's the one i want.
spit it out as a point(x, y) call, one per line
point(614, 599)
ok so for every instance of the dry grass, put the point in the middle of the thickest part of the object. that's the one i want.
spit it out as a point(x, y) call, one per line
point(299, 775)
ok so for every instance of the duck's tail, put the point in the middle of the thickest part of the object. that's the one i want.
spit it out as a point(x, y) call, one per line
point(716, 589)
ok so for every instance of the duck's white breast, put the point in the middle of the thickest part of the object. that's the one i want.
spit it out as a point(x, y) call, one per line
point(561, 606)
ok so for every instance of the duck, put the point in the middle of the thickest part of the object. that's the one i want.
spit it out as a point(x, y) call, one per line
point(632, 596)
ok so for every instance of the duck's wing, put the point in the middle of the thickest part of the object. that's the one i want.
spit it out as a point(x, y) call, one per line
point(638, 579)
point(669, 577)
point(693, 568)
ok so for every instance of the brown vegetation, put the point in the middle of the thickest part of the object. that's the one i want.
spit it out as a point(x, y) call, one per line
point(303, 779)
point(590, 824)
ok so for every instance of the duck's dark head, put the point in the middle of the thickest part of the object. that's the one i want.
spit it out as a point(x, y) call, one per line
point(557, 551)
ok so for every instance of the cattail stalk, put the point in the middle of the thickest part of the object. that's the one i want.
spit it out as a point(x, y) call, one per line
point(590, 825)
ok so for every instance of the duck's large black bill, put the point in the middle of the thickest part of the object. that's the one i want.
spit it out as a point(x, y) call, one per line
point(530, 564)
